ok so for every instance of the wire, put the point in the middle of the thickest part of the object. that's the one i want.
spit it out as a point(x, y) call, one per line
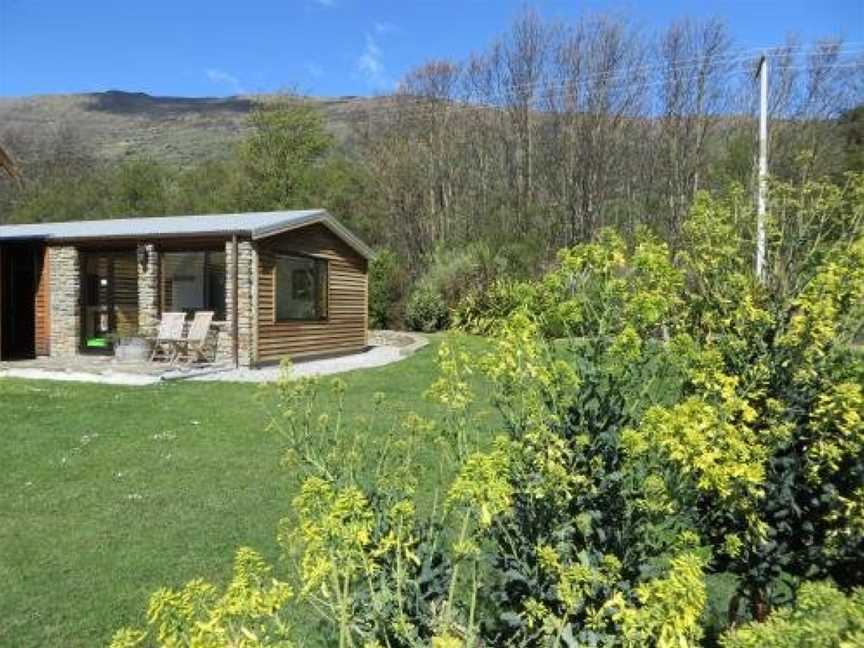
point(408, 105)
point(509, 90)
point(700, 63)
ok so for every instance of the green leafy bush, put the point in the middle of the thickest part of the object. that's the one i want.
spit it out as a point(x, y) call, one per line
point(821, 617)
point(385, 289)
point(483, 312)
point(480, 283)
point(426, 310)
point(689, 423)
point(451, 272)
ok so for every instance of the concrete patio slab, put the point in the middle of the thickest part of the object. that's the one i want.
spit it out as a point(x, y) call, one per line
point(386, 347)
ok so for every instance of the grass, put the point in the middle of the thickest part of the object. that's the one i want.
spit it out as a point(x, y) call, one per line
point(109, 492)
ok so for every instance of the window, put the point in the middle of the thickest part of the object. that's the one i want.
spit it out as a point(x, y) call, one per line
point(301, 288)
point(194, 281)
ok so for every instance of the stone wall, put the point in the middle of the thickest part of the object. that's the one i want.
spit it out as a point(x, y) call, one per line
point(246, 299)
point(148, 289)
point(65, 304)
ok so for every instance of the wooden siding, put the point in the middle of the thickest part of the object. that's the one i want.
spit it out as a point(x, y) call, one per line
point(125, 295)
point(345, 326)
point(43, 305)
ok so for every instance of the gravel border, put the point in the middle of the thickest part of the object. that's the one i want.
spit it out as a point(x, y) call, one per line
point(104, 378)
point(376, 355)
point(386, 348)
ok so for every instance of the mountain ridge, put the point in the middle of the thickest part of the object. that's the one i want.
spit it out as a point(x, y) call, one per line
point(118, 124)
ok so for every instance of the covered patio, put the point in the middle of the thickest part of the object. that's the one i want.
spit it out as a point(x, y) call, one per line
point(97, 301)
point(189, 278)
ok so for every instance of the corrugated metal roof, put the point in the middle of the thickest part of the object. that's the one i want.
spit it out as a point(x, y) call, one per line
point(253, 224)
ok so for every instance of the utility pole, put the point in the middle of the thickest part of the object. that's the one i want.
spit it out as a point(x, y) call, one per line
point(762, 73)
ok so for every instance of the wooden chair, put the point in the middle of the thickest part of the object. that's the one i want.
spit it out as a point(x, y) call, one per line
point(170, 334)
point(194, 346)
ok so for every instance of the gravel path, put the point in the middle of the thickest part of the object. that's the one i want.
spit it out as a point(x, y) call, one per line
point(105, 377)
point(373, 357)
point(389, 346)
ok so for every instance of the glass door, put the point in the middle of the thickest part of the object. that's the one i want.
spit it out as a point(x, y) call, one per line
point(109, 296)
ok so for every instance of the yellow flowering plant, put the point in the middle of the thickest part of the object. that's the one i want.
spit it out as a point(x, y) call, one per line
point(664, 417)
point(250, 613)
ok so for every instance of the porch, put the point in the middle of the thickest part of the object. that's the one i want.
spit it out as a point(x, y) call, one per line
point(385, 347)
point(93, 300)
point(123, 293)
point(105, 368)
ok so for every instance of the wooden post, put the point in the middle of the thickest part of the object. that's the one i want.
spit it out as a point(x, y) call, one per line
point(763, 169)
point(235, 316)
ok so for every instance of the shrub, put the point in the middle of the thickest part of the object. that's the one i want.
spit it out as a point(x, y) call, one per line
point(630, 466)
point(483, 312)
point(248, 613)
point(385, 288)
point(474, 270)
point(822, 617)
point(452, 272)
point(426, 310)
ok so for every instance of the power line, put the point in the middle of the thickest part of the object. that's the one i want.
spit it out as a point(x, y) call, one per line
point(506, 91)
point(696, 63)
point(405, 105)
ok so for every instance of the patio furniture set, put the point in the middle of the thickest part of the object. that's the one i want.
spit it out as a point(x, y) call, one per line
point(176, 343)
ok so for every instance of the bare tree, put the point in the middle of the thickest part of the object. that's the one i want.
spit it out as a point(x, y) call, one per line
point(599, 96)
point(557, 130)
point(521, 59)
point(694, 66)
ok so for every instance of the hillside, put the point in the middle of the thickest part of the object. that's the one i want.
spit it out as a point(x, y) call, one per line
point(118, 124)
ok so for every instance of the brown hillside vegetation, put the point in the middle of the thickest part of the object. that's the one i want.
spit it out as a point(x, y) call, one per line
point(118, 124)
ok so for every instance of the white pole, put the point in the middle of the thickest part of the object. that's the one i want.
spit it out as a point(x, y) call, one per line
point(763, 169)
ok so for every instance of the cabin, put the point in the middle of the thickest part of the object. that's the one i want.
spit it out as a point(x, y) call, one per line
point(281, 284)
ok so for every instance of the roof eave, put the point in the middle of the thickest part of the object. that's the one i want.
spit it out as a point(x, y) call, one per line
point(324, 218)
point(221, 234)
point(26, 238)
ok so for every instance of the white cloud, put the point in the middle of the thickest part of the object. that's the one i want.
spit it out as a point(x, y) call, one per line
point(222, 78)
point(371, 65)
point(383, 27)
point(314, 70)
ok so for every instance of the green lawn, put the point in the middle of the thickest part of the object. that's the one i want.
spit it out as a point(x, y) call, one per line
point(111, 492)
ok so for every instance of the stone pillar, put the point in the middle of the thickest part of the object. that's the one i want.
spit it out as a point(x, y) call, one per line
point(247, 269)
point(253, 303)
point(148, 289)
point(65, 301)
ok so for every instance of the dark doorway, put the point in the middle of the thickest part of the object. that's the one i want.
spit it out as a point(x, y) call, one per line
point(19, 272)
point(109, 299)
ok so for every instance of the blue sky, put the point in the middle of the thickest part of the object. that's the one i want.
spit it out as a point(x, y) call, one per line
point(322, 47)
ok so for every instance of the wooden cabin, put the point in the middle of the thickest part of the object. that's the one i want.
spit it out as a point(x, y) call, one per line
point(282, 284)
